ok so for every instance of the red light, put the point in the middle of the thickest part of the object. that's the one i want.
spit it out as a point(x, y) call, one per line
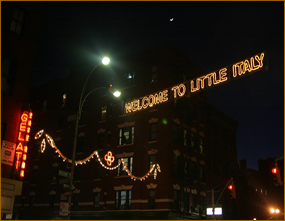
point(274, 170)
point(230, 187)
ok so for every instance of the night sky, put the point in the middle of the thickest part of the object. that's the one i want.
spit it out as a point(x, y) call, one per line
point(212, 34)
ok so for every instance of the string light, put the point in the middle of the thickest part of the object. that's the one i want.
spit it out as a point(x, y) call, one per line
point(108, 157)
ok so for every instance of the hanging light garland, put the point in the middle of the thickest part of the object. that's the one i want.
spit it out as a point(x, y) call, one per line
point(108, 158)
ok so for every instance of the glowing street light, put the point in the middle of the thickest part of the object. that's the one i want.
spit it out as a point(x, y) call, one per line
point(82, 100)
point(105, 60)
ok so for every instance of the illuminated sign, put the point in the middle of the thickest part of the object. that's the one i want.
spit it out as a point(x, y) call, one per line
point(109, 158)
point(239, 69)
point(23, 139)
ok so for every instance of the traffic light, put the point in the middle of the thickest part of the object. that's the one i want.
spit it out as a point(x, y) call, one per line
point(276, 176)
point(232, 189)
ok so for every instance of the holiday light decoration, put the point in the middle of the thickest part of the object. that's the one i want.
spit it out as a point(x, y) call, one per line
point(234, 71)
point(109, 158)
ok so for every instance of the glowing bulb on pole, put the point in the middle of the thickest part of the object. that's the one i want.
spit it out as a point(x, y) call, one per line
point(105, 60)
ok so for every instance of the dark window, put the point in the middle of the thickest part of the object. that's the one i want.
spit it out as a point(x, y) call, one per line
point(80, 144)
point(77, 173)
point(202, 173)
point(35, 176)
point(75, 201)
point(17, 21)
point(61, 122)
point(126, 135)
point(176, 200)
point(54, 174)
point(193, 170)
point(153, 132)
point(151, 199)
point(185, 137)
point(101, 139)
point(154, 74)
point(97, 171)
point(152, 159)
point(186, 168)
point(51, 202)
point(186, 201)
point(31, 201)
point(103, 113)
point(129, 164)
point(8, 73)
point(201, 145)
point(96, 201)
point(176, 165)
point(130, 78)
point(123, 199)
point(175, 133)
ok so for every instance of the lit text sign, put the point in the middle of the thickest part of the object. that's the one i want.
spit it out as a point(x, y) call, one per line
point(226, 74)
point(23, 139)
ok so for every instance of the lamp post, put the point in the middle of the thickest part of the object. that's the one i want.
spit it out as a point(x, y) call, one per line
point(82, 100)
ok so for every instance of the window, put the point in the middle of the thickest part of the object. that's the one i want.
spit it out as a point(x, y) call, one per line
point(130, 78)
point(8, 72)
point(126, 135)
point(185, 137)
point(31, 201)
point(151, 198)
point(17, 21)
point(201, 145)
point(153, 132)
point(101, 139)
point(51, 202)
point(202, 173)
point(186, 168)
point(175, 133)
point(152, 159)
point(77, 173)
point(80, 144)
point(186, 201)
point(154, 74)
point(103, 113)
point(123, 199)
point(61, 122)
point(129, 164)
point(75, 201)
point(194, 170)
point(194, 201)
point(192, 140)
point(63, 100)
point(45, 105)
point(54, 173)
point(176, 165)
point(35, 176)
point(97, 170)
point(176, 200)
point(96, 201)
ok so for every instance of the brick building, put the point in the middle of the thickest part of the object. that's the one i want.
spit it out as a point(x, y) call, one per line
point(20, 28)
point(193, 143)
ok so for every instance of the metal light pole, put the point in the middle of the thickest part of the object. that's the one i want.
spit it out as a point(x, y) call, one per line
point(105, 61)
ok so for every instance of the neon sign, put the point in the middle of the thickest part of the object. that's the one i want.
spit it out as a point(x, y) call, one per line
point(23, 139)
point(109, 158)
point(239, 69)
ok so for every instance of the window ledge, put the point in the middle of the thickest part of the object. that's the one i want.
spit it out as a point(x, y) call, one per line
point(125, 145)
point(152, 141)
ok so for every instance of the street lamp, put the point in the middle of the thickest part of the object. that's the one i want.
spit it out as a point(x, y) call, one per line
point(82, 100)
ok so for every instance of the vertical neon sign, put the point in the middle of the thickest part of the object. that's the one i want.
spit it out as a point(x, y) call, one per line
point(23, 139)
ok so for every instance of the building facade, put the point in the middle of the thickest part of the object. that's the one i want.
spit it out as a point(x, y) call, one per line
point(20, 28)
point(154, 162)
